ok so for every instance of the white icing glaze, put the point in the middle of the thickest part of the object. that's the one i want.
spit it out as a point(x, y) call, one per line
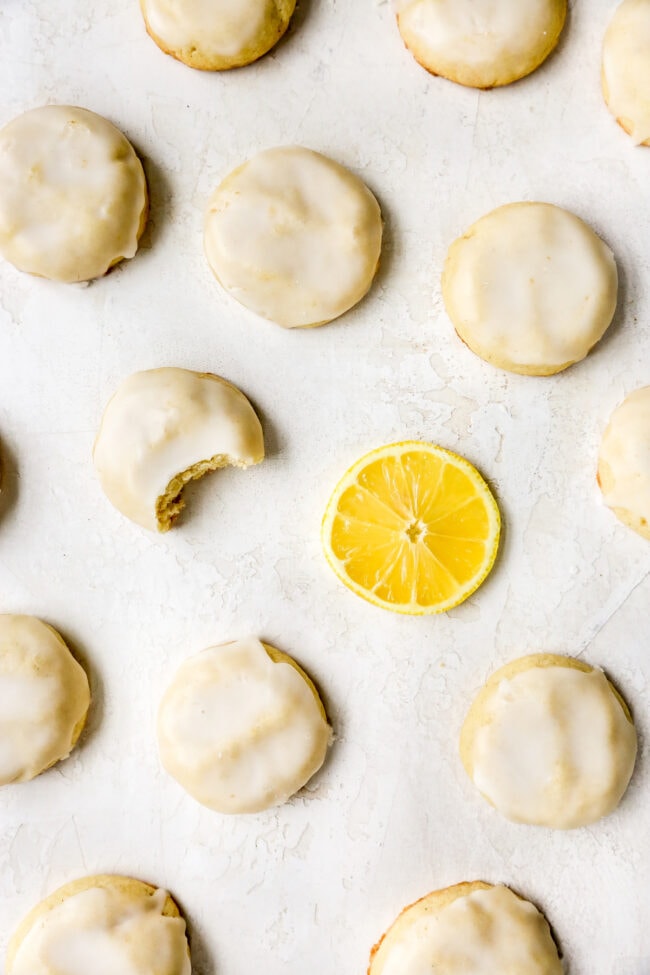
point(626, 67)
point(554, 747)
point(72, 194)
point(106, 932)
point(239, 731)
point(530, 287)
point(480, 42)
point(624, 461)
point(221, 28)
point(294, 236)
point(44, 696)
point(485, 932)
point(164, 421)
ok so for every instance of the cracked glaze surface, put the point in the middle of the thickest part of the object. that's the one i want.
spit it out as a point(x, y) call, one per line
point(308, 886)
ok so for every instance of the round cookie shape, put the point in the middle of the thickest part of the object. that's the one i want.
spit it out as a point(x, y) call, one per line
point(626, 68)
point(624, 462)
point(530, 288)
point(549, 741)
point(242, 727)
point(481, 43)
point(294, 237)
point(471, 927)
point(121, 924)
point(214, 35)
point(73, 194)
point(44, 698)
point(164, 428)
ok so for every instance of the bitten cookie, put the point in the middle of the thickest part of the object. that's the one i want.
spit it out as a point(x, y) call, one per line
point(469, 928)
point(481, 43)
point(294, 237)
point(44, 698)
point(626, 68)
point(73, 195)
point(242, 727)
point(216, 34)
point(548, 741)
point(164, 428)
point(624, 462)
point(530, 288)
point(117, 923)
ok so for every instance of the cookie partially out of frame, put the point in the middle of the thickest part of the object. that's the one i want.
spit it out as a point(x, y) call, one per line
point(481, 43)
point(214, 35)
point(44, 698)
point(624, 462)
point(466, 929)
point(132, 926)
point(626, 68)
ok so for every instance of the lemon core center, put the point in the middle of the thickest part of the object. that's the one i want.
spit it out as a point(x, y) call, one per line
point(415, 531)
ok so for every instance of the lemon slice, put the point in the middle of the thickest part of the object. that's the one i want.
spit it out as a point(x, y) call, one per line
point(412, 527)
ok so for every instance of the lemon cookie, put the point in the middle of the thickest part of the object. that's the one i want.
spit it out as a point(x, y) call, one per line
point(216, 34)
point(165, 427)
point(242, 727)
point(624, 462)
point(73, 195)
point(472, 928)
point(626, 68)
point(548, 741)
point(481, 43)
point(294, 236)
point(44, 698)
point(530, 288)
point(103, 924)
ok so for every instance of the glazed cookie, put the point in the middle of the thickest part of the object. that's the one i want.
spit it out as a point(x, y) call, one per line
point(294, 237)
point(242, 727)
point(548, 741)
point(624, 462)
point(73, 195)
point(472, 927)
point(117, 923)
point(530, 288)
point(216, 34)
point(165, 427)
point(44, 698)
point(481, 43)
point(626, 68)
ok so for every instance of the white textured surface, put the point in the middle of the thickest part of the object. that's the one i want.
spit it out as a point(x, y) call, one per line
point(310, 886)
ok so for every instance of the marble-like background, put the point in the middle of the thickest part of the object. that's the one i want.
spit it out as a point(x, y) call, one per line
point(310, 886)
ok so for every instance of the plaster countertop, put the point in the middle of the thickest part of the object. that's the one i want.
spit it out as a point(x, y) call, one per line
point(310, 886)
